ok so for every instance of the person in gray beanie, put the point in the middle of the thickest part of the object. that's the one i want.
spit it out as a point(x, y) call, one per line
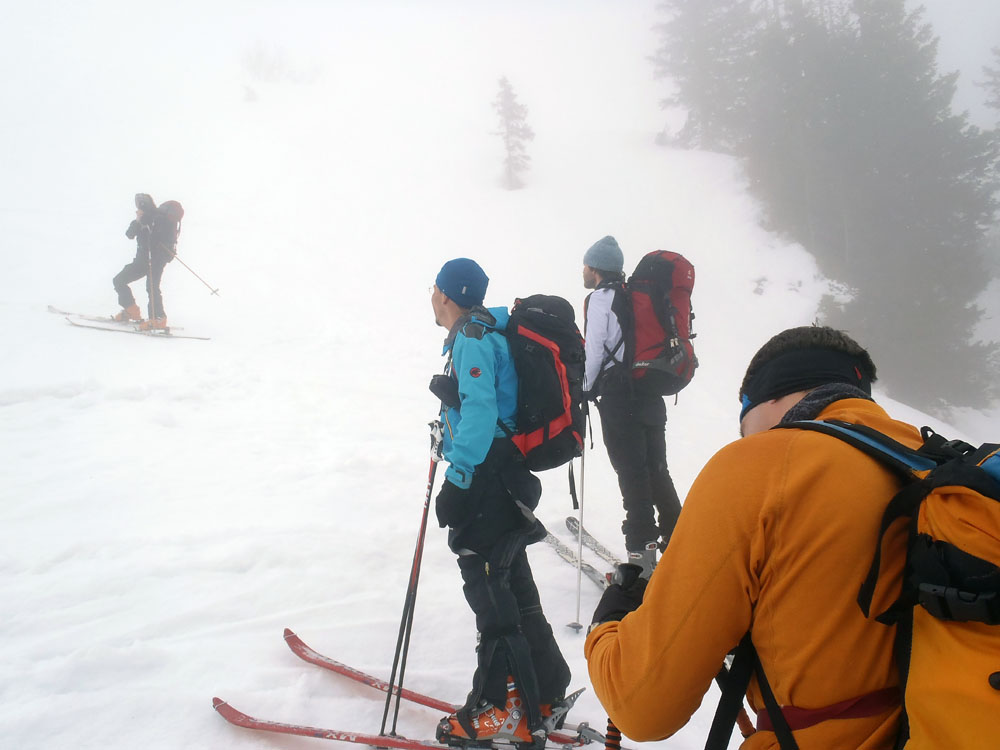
point(605, 255)
point(633, 424)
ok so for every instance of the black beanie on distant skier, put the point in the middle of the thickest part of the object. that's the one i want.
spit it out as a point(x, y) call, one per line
point(605, 255)
point(144, 202)
point(463, 282)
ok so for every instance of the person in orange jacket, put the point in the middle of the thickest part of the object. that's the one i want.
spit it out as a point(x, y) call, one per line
point(773, 542)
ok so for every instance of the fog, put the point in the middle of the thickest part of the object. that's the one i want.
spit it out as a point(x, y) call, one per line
point(968, 30)
point(167, 507)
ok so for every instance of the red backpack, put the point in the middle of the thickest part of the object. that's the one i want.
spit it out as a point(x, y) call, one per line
point(167, 227)
point(656, 322)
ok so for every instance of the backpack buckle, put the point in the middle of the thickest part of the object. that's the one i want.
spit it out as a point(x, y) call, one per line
point(937, 448)
point(958, 447)
point(949, 603)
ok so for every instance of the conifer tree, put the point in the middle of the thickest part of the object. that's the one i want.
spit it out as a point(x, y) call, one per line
point(848, 138)
point(515, 134)
point(706, 52)
point(992, 82)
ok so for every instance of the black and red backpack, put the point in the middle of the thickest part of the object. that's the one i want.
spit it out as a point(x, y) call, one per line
point(548, 354)
point(654, 310)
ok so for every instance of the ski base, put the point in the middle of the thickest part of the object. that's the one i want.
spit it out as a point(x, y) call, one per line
point(158, 333)
point(108, 319)
point(567, 554)
point(240, 719)
point(573, 524)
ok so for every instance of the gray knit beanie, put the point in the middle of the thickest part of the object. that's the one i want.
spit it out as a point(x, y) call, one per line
point(605, 255)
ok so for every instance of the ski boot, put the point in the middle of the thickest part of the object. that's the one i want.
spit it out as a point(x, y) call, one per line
point(153, 324)
point(128, 314)
point(485, 723)
point(645, 558)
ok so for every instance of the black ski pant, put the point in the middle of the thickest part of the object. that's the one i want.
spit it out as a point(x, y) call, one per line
point(139, 267)
point(634, 427)
point(515, 639)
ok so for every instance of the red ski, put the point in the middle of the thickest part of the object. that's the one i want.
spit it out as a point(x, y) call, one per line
point(583, 733)
point(301, 650)
point(241, 719)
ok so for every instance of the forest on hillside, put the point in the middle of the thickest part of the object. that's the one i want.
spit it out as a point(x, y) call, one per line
point(848, 137)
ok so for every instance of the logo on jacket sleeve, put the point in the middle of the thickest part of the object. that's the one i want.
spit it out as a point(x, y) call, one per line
point(475, 372)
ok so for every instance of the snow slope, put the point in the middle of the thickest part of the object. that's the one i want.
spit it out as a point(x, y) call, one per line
point(167, 507)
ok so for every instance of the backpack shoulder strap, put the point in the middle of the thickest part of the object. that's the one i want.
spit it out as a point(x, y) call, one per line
point(733, 683)
point(898, 457)
point(621, 308)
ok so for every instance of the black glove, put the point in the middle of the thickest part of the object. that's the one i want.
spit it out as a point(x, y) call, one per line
point(453, 506)
point(623, 596)
point(445, 388)
point(133, 230)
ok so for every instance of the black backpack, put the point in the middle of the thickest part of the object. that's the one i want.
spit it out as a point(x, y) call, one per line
point(548, 354)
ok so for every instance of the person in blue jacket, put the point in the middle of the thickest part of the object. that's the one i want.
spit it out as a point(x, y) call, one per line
point(486, 501)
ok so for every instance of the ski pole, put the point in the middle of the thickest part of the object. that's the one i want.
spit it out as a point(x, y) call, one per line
point(149, 284)
point(577, 625)
point(214, 291)
point(406, 622)
point(613, 738)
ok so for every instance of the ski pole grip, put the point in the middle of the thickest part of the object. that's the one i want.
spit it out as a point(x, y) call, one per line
point(613, 738)
point(626, 574)
point(437, 440)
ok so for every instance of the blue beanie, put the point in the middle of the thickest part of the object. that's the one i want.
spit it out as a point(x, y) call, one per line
point(605, 255)
point(463, 282)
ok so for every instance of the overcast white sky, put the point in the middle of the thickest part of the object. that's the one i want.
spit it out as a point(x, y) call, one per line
point(968, 30)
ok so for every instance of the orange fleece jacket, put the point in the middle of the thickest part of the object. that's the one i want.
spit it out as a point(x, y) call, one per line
point(775, 537)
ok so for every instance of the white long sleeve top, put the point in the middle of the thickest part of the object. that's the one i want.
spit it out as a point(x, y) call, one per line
point(603, 335)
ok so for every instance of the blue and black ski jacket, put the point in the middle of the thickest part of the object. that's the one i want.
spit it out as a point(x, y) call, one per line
point(482, 365)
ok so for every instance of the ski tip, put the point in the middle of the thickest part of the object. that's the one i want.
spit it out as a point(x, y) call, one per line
point(217, 702)
point(289, 633)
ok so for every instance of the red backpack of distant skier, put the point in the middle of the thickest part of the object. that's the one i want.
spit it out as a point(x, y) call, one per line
point(657, 323)
point(167, 227)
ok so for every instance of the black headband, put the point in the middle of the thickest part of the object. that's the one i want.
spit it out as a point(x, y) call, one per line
point(802, 370)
